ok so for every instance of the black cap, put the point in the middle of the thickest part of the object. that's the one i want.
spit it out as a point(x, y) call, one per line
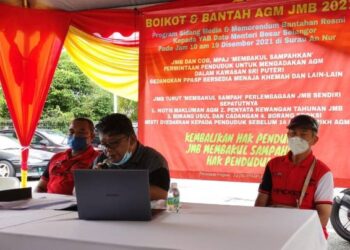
point(303, 121)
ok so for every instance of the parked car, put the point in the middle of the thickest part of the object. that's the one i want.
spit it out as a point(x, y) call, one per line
point(43, 139)
point(96, 142)
point(135, 125)
point(10, 159)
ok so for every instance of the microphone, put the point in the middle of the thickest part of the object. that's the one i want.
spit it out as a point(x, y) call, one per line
point(104, 164)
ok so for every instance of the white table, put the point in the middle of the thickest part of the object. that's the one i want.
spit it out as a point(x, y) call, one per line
point(12, 218)
point(197, 226)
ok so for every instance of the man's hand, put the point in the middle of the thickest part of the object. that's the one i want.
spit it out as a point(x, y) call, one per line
point(41, 187)
point(157, 193)
point(324, 212)
point(262, 200)
point(101, 165)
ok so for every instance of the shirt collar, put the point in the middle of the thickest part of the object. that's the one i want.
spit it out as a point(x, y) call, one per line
point(135, 158)
point(304, 163)
point(89, 150)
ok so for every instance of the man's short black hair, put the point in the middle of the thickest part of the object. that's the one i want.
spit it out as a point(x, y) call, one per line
point(88, 121)
point(303, 121)
point(115, 124)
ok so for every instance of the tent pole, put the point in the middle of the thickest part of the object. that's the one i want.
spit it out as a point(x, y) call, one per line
point(115, 103)
point(25, 4)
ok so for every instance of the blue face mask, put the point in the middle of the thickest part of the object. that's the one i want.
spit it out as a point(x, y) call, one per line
point(125, 158)
point(77, 143)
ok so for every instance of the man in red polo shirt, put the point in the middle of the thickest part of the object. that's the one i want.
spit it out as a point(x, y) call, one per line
point(58, 177)
point(284, 176)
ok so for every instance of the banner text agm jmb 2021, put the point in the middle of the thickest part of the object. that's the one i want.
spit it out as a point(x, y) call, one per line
point(218, 87)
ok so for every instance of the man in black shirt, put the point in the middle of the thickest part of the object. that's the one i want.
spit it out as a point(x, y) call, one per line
point(122, 150)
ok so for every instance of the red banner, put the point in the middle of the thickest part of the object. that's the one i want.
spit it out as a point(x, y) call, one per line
point(113, 26)
point(220, 84)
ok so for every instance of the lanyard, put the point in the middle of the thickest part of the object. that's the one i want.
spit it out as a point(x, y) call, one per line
point(306, 183)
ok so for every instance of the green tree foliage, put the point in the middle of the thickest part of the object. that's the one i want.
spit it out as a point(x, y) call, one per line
point(96, 105)
point(56, 119)
point(128, 107)
point(69, 88)
point(101, 105)
point(74, 95)
point(4, 113)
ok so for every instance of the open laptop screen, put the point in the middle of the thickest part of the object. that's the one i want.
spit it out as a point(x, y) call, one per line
point(113, 194)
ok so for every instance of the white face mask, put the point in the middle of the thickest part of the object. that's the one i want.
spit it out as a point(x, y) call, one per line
point(298, 145)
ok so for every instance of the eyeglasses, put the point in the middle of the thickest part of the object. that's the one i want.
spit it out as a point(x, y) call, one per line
point(113, 145)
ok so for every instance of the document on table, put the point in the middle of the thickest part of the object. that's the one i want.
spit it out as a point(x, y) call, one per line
point(41, 201)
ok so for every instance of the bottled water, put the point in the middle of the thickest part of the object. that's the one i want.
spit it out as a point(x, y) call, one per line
point(173, 200)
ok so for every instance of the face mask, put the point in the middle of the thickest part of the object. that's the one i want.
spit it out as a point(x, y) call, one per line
point(297, 145)
point(77, 143)
point(125, 158)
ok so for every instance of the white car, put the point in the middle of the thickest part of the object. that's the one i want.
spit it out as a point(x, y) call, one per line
point(10, 159)
point(43, 139)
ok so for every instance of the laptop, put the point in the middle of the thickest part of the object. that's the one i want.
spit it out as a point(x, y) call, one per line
point(113, 194)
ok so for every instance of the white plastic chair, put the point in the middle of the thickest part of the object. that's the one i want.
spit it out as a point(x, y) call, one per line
point(9, 183)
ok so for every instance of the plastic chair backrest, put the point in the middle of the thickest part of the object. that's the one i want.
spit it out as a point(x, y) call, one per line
point(9, 183)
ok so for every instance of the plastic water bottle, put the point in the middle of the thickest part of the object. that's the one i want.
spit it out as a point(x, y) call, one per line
point(173, 200)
